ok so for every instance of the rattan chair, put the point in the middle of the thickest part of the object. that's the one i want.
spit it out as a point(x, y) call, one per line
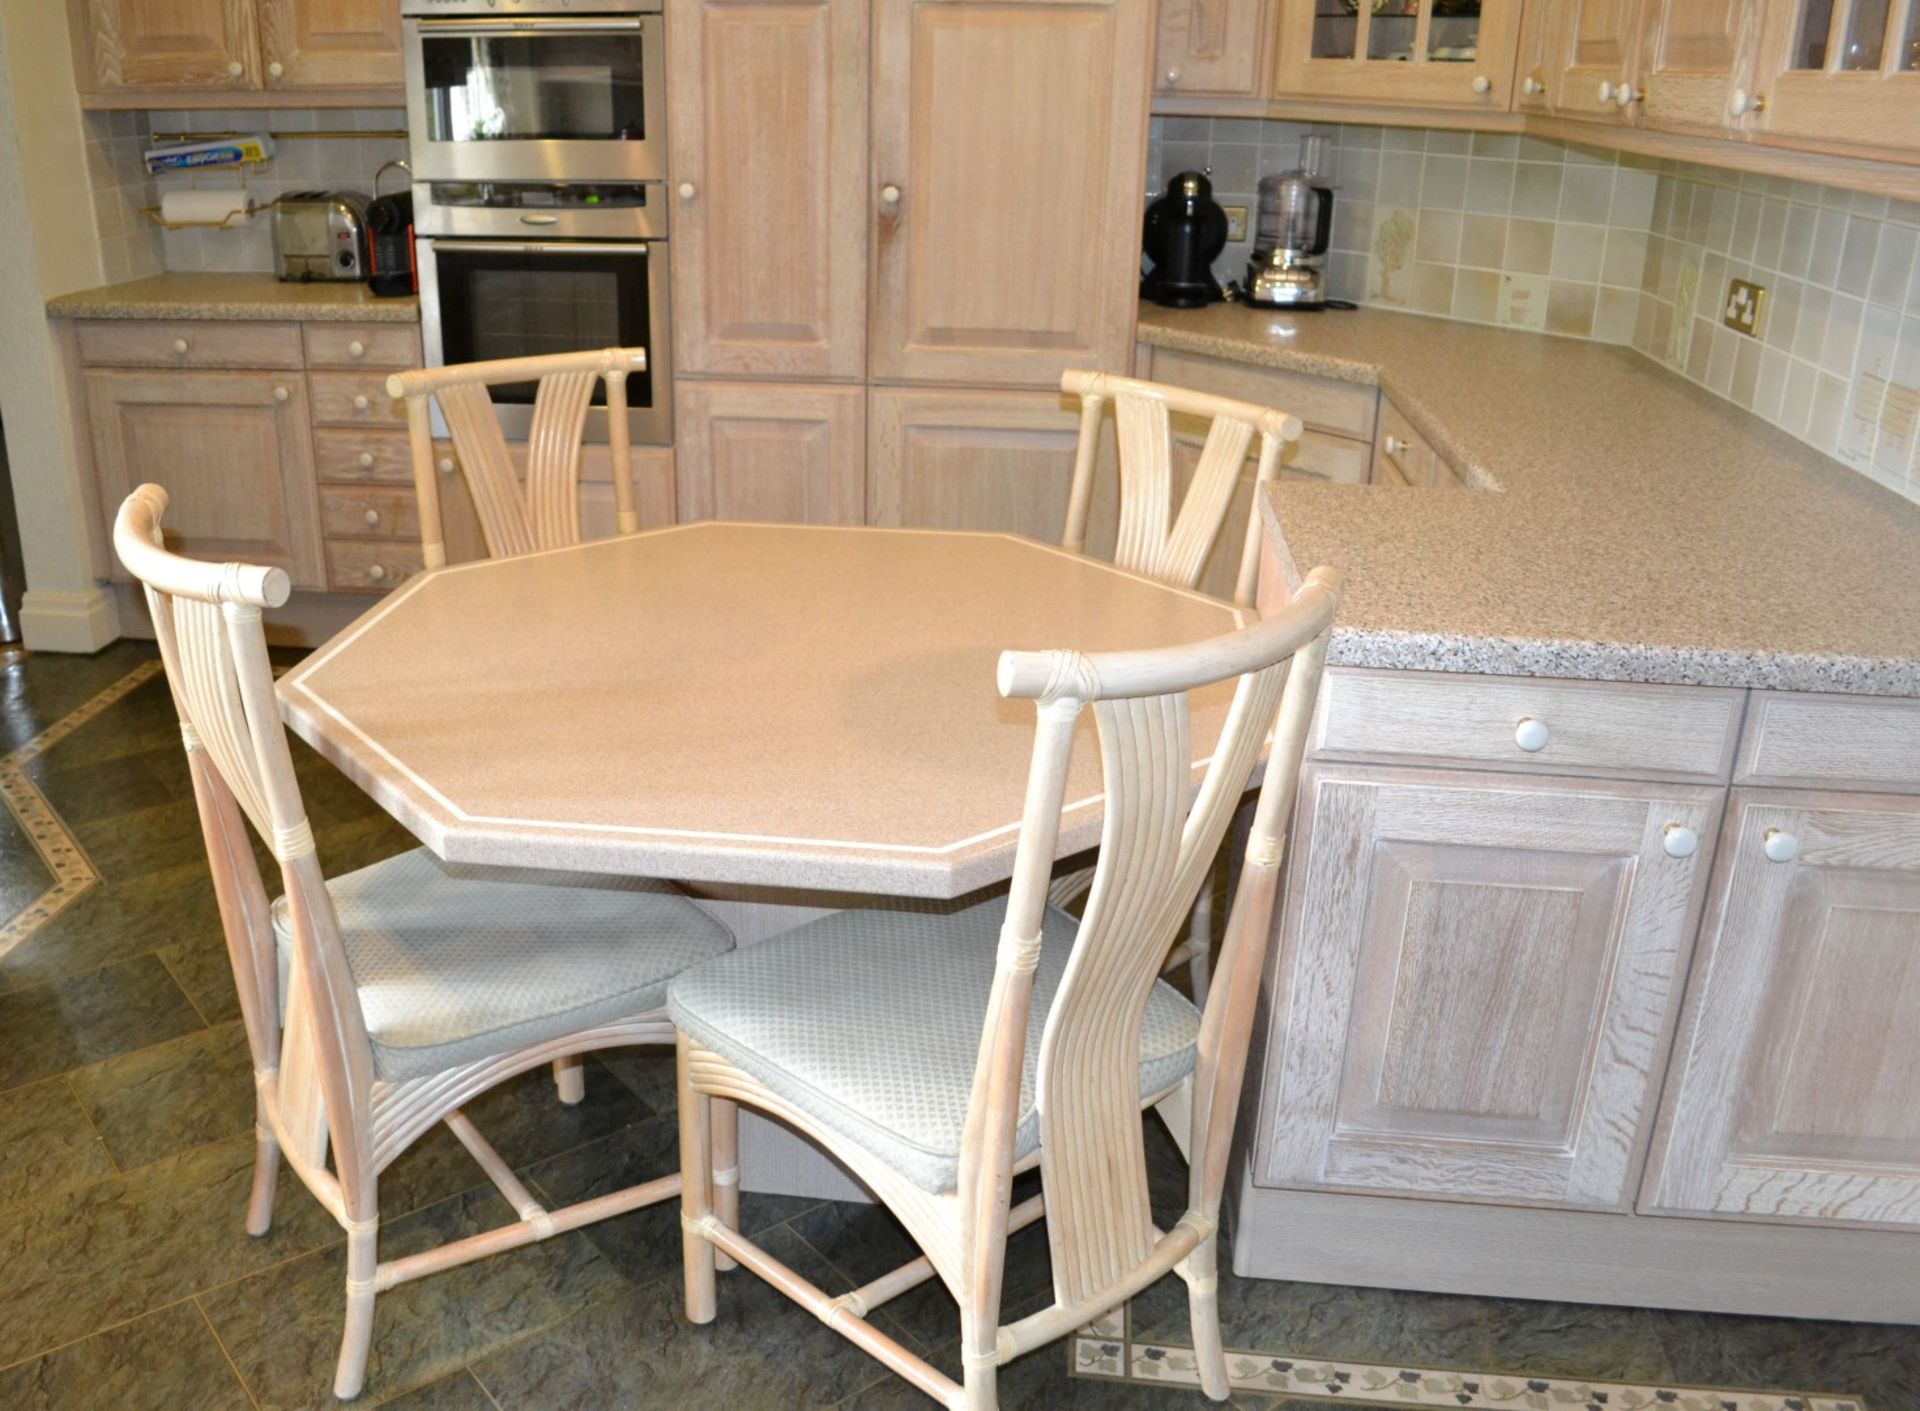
point(938, 1051)
point(411, 986)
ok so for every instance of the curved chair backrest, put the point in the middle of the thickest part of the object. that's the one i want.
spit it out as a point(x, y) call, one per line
point(546, 514)
point(1151, 540)
point(206, 617)
point(1160, 836)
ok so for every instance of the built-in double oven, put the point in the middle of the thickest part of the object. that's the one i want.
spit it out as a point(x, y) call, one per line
point(538, 147)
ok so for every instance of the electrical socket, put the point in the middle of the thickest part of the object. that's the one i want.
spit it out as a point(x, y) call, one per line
point(1236, 222)
point(1742, 311)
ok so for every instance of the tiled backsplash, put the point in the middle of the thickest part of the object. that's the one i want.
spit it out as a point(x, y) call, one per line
point(298, 164)
point(117, 172)
point(1502, 229)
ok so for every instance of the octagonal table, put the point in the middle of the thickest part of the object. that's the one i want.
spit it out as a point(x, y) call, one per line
point(774, 705)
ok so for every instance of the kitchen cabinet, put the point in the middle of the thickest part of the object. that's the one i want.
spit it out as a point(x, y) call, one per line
point(1478, 977)
point(768, 133)
point(949, 459)
point(1791, 1096)
point(237, 51)
point(1594, 72)
point(330, 43)
point(1008, 156)
point(1213, 48)
point(231, 449)
point(1696, 60)
point(1425, 53)
point(179, 44)
point(771, 452)
point(1845, 74)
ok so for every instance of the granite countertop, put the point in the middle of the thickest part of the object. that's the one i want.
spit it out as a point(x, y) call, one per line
point(236, 298)
point(1632, 527)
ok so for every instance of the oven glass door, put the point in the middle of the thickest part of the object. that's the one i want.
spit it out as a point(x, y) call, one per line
point(505, 299)
point(537, 97)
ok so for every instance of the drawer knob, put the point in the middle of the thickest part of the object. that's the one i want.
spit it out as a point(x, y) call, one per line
point(1780, 845)
point(366, 460)
point(179, 345)
point(373, 519)
point(1679, 840)
point(1173, 77)
point(446, 465)
point(1482, 84)
point(361, 401)
point(235, 69)
point(688, 191)
point(356, 349)
point(276, 69)
point(280, 394)
point(1530, 734)
point(376, 573)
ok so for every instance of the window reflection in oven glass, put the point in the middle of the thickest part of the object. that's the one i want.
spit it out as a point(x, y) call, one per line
point(555, 88)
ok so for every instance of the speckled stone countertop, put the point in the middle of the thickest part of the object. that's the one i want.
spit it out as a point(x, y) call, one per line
point(1638, 528)
point(236, 298)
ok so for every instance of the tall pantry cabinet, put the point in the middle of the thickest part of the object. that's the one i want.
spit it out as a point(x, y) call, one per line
point(896, 222)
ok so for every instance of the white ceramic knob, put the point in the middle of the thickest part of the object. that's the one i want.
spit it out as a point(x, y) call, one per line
point(376, 573)
point(373, 518)
point(889, 195)
point(179, 345)
point(356, 349)
point(235, 69)
point(1625, 94)
point(1394, 446)
point(1780, 845)
point(366, 460)
point(1530, 734)
point(1606, 92)
point(446, 465)
point(280, 394)
point(688, 191)
point(1482, 84)
point(276, 69)
point(361, 401)
point(1744, 102)
point(1679, 840)
point(1173, 77)
point(1532, 86)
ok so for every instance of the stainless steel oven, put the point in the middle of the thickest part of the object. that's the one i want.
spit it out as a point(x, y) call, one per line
point(561, 90)
point(515, 269)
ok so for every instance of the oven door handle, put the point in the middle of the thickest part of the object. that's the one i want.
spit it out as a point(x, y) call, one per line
point(525, 28)
point(521, 247)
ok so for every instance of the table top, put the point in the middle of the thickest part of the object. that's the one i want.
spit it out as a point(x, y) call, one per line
point(776, 705)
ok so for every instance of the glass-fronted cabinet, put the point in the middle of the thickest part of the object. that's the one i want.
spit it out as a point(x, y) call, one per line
point(1438, 53)
point(1841, 71)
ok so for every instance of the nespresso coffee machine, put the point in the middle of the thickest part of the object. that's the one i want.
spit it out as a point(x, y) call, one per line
point(1185, 232)
point(1292, 231)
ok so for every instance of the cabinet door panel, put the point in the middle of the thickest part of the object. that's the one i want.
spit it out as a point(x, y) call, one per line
point(330, 43)
point(971, 460)
point(1212, 47)
point(1799, 1051)
point(1597, 48)
point(230, 448)
point(788, 455)
point(769, 140)
point(1008, 147)
point(1474, 984)
point(171, 43)
point(1845, 74)
point(1697, 53)
point(1457, 56)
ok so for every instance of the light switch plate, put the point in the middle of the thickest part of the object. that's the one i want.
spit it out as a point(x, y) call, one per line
point(1742, 311)
point(1236, 222)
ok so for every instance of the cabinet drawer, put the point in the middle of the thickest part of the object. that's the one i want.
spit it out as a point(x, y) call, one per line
point(354, 399)
point(187, 343)
point(1337, 460)
point(1854, 742)
point(1660, 732)
point(382, 345)
point(359, 456)
point(1402, 455)
point(1345, 408)
point(370, 566)
point(369, 511)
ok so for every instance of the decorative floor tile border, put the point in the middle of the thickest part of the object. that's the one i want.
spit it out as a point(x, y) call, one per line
point(73, 872)
point(1105, 1351)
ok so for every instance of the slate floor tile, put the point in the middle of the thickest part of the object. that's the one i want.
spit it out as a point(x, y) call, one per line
point(90, 776)
point(166, 1361)
point(168, 1097)
point(46, 1142)
point(1877, 1361)
point(95, 1255)
point(57, 1027)
point(113, 922)
point(459, 1392)
point(202, 970)
point(282, 1326)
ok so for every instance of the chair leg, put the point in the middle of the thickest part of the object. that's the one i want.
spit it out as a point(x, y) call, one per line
point(266, 1173)
point(696, 1193)
point(724, 1122)
point(1200, 1269)
point(979, 1365)
point(351, 1373)
point(570, 1078)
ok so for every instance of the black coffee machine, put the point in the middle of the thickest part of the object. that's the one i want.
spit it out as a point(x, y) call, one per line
point(1185, 233)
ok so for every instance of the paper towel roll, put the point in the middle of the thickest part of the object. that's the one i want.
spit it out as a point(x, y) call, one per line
point(196, 207)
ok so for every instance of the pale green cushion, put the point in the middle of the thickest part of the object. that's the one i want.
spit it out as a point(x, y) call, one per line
point(869, 1021)
point(456, 964)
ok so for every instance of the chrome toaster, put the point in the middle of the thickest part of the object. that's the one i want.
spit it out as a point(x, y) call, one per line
point(320, 235)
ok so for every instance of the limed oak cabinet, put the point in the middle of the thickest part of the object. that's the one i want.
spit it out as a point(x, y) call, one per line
point(236, 51)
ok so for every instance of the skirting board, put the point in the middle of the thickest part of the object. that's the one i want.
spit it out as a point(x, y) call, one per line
point(1722, 1266)
point(82, 622)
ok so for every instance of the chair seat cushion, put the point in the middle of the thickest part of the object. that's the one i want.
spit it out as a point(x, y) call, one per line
point(456, 964)
point(869, 1021)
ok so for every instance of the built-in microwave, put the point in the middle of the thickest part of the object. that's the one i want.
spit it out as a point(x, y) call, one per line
point(560, 90)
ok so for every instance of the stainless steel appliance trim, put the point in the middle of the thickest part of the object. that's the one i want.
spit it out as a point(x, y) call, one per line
point(649, 222)
point(542, 160)
point(483, 8)
point(528, 28)
point(646, 426)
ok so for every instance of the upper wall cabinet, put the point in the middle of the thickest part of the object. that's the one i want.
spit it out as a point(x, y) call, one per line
point(1839, 71)
point(1213, 48)
point(1008, 152)
point(769, 144)
point(1430, 53)
point(1596, 55)
point(330, 43)
point(186, 44)
point(238, 51)
point(1697, 62)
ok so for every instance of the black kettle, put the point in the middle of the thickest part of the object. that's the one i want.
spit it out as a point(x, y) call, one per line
point(1185, 232)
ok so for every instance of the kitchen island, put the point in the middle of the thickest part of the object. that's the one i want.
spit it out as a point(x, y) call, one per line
point(1598, 972)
